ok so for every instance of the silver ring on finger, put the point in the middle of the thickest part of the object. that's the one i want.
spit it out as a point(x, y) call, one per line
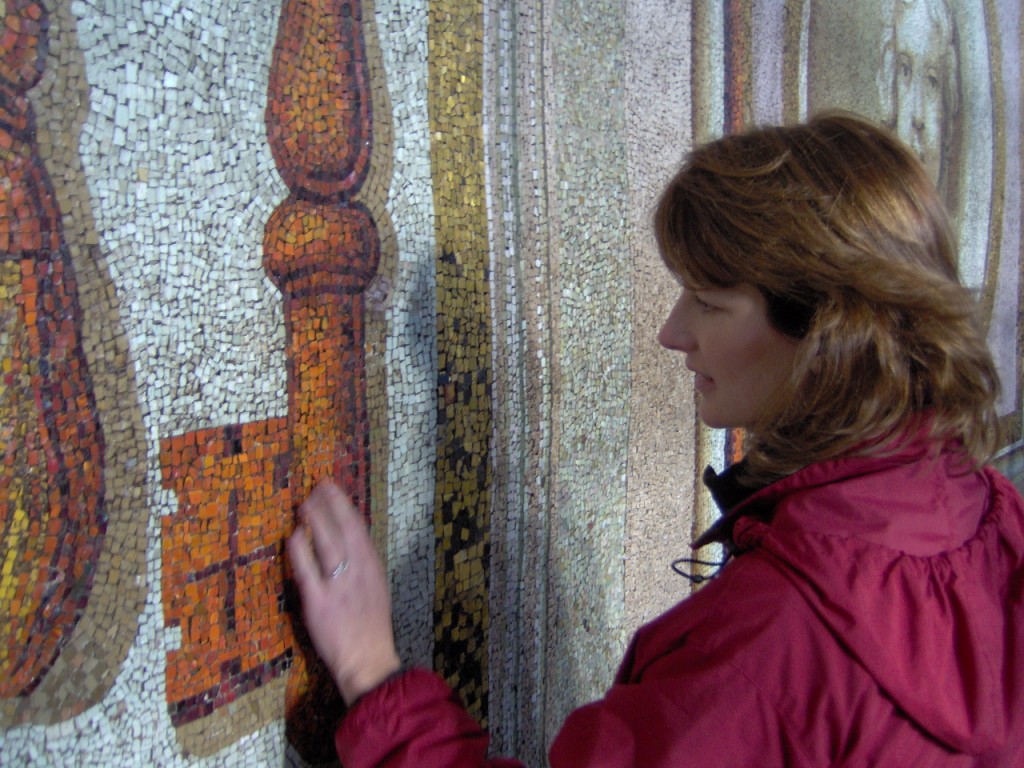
point(340, 569)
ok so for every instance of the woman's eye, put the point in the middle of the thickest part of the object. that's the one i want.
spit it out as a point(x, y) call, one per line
point(702, 305)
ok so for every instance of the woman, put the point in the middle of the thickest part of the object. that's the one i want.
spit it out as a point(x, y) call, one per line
point(871, 612)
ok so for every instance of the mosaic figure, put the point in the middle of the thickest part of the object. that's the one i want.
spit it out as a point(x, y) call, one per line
point(919, 85)
point(52, 515)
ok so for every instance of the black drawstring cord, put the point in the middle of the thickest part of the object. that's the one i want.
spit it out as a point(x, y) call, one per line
point(699, 578)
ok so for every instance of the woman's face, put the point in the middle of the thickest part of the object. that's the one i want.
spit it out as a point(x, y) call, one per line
point(739, 359)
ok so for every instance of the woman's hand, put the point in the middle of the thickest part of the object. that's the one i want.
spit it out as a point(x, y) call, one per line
point(345, 599)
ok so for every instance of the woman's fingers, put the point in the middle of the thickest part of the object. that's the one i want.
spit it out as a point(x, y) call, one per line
point(300, 554)
point(320, 512)
point(339, 531)
point(348, 522)
point(346, 601)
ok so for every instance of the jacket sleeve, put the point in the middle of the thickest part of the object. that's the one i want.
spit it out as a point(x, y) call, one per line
point(413, 720)
point(730, 678)
point(706, 715)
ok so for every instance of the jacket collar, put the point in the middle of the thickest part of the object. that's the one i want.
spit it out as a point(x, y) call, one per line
point(736, 500)
point(730, 496)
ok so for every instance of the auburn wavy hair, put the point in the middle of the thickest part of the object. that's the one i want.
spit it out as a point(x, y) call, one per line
point(839, 227)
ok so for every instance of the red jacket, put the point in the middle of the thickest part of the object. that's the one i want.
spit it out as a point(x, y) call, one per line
point(873, 616)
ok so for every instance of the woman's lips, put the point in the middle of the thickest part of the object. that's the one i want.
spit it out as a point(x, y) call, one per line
point(702, 383)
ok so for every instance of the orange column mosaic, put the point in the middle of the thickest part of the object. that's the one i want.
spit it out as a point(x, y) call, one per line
point(52, 516)
point(321, 249)
point(224, 583)
point(737, 63)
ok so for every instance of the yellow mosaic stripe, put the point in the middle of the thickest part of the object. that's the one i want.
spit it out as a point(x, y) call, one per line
point(18, 543)
point(461, 504)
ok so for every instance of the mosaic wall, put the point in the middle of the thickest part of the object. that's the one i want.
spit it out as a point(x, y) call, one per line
point(405, 244)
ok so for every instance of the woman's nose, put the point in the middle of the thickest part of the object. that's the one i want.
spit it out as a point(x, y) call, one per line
point(675, 333)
